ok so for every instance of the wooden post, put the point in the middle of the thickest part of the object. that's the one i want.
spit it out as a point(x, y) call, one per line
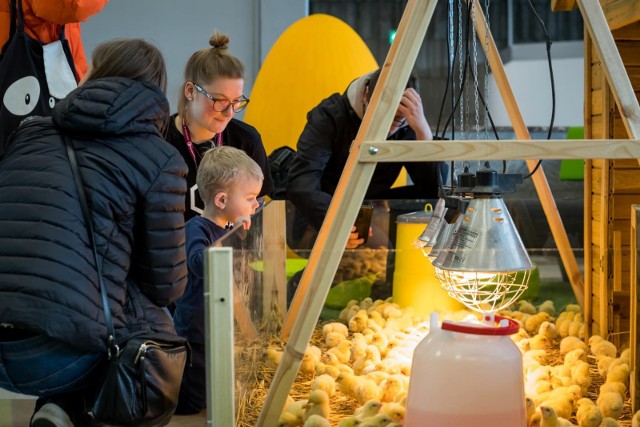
point(334, 233)
point(539, 179)
point(274, 280)
point(634, 319)
point(612, 64)
point(218, 301)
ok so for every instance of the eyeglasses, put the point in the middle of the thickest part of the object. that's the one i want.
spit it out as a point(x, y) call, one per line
point(222, 105)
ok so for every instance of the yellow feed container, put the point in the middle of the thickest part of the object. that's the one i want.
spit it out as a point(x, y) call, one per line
point(414, 280)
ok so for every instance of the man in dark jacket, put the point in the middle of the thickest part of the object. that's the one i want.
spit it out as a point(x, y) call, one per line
point(323, 149)
point(49, 291)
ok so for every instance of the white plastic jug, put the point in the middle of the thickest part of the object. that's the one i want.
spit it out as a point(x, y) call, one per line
point(465, 374)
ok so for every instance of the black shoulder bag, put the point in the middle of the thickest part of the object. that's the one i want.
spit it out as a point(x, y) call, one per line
point(142, 380)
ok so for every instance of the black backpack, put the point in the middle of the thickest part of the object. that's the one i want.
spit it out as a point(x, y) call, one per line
point(280, 161)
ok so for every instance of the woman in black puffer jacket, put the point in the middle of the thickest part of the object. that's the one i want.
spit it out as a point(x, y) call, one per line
point(52, 326)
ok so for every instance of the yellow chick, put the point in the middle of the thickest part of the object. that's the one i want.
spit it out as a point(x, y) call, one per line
point(604, 362)
point(379, 420)
point(530, 408)
point(366, 303)
point(316, 421)
point(347, 383)
point(391, 387)
point(324, 382)
point(590, 416)
point(610, 404)
point(367, 390)
point(548, 329)
point(574, 356)
point(297, 410)
point(532, 324)
point(317, 404)
point(381, 341)
point(575, 308)
point(626, 355)
point(575, 327)
point(526, 307)
point(609, 422)
point(274, 356)
point(601, 347)
point(635, 420)
point(615, 386)
point(358, 322)
point(571, 343)
point(395, 411)
point(308, 364)
point(349, 422)
point(535, 420)
point(368, 410)
point(550, 419)
point(287, 419)
point(358, 346)
point(619, 373)
point(377, 318)
point(539, 342)
point(562, 407)
point(348, 312)
point(335, 327)
point(332, 339)
point(342, 351)
point(548, 307)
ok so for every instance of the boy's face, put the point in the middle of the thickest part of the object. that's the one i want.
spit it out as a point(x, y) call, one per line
point(242, 197)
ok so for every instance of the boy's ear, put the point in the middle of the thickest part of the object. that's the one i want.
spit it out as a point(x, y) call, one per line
point(220, 200)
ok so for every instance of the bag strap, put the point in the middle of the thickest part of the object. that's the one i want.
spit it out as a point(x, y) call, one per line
point(112, 348)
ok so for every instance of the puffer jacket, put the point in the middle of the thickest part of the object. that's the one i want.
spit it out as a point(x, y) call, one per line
point(135, 187)
point(43, 20)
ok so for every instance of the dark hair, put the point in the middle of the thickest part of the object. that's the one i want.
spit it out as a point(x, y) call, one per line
point(209, 64)
point(135, 59)
point(373, 80)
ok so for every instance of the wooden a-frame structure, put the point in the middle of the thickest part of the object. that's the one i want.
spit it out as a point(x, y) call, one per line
point(370, 147)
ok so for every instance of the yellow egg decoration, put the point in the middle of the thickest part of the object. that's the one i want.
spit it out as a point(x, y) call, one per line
point(315, 57)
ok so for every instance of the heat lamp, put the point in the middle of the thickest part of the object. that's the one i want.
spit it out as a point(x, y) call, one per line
point(485, 265)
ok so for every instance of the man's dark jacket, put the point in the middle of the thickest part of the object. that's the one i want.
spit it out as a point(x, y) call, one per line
point(135, 187)
point(322, 152)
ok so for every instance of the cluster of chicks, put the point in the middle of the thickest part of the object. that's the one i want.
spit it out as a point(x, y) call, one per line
point(362, 262)
point(367, 356)
point(555, 394)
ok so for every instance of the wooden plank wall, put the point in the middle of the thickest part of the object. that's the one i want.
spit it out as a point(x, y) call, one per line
point(611, 186)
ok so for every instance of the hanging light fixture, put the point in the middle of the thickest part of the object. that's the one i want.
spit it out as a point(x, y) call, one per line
point(485, 266)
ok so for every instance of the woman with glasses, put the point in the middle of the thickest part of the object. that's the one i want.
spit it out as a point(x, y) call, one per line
point(211, 94)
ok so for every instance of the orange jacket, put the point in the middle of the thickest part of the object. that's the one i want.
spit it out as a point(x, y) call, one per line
point(43, 20)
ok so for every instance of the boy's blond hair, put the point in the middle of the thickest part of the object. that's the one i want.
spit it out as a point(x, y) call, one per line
point(220, 168)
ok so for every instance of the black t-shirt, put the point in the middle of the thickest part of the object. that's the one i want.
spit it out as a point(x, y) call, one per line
point(237, 134)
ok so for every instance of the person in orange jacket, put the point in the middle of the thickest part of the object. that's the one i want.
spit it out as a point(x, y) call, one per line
point(43, 20)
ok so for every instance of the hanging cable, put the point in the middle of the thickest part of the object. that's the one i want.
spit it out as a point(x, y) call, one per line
point(553, 86)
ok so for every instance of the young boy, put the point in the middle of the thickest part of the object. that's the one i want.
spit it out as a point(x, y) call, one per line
point(229, 182)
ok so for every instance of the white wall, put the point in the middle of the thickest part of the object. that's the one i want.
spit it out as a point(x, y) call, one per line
point(530, 81)
point(180, 27)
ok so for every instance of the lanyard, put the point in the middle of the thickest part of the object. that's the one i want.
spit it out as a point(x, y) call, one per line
point(190, 145)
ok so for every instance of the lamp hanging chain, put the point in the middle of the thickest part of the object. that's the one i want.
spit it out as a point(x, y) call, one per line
point(461, 70)
point(487, 4)
point(476, 93)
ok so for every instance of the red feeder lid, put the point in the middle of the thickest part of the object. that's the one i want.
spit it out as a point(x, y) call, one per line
point(480, 329)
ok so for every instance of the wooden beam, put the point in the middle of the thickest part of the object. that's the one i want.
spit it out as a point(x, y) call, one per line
point(458, 150)
point(620, 13)
point(563, 5)
point(345, 203)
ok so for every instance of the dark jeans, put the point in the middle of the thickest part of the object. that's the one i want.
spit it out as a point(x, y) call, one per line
point(193, 390)
point(48, 368)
